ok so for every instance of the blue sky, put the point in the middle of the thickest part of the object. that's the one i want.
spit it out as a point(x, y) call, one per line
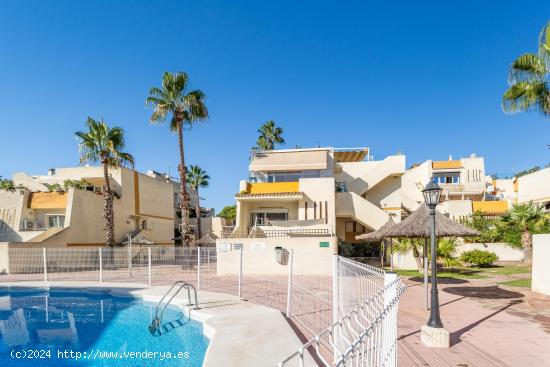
point(379, 74)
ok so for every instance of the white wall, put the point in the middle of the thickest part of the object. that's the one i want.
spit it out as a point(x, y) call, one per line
point(456, 208)
point(503, 251)
point(404, 261)
point(541, 271)
point(415, 179)
point(534, 186)
point(11, 207)
point(259, 255)
point(318, 190)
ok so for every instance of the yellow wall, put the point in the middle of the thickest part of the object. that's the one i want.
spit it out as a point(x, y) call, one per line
point(273, 187)
point(490, 206)
point(47, 200)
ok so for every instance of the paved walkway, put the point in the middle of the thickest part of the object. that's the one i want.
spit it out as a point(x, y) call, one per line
point(486, 323)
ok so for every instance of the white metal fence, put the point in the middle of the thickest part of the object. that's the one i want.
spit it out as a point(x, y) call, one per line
point(345, 310)
point(364, 328)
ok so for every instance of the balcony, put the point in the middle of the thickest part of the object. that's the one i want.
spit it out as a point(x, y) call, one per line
point(273, 187)
point(229, 232)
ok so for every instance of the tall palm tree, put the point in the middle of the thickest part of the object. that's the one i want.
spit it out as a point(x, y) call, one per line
point(105, 145)
point(185, 108)
point(526, 218)
point(269, 136)
point(528, 79)
point(197, 178)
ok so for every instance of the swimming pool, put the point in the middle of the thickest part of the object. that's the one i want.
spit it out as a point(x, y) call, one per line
point(71, 327)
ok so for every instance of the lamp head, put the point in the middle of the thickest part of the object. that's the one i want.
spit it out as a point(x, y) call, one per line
point(432, 193)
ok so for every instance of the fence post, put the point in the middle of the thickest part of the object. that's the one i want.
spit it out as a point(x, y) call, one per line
point(289, 291)
point(198, 268)
point(149, 265)
point(389, 329)
point(335, 303)
point(100, 265)
point(130, 255)
point(335, 289)
point(241, 271)
point(45, 264)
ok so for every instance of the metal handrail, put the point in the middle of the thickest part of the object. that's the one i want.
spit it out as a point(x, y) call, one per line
point(156, 323)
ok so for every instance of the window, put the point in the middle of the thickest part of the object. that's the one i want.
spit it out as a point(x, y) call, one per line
point(350, 226)
point(447, 178)
point(57, 221)
point(144, 224)
point(262, 218)
point(292, 176)
point(341, 187)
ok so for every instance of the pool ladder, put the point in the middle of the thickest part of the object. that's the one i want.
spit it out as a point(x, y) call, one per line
point(180, 284)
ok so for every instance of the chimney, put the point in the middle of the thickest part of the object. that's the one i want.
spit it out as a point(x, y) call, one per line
point(51, 172)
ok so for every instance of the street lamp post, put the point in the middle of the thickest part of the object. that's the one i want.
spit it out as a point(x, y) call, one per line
point(432, 193)
point(434, 334)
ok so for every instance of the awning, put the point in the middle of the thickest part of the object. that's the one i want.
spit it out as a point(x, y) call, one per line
point(290, 160)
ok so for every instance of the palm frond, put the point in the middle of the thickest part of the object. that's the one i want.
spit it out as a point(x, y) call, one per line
point(544, 43)
point(527, 96)
point(101, 143)
point(527, 67)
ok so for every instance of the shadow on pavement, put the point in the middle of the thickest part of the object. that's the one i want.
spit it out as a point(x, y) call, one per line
point(455, 336)
point(441, 280)
point(488, 292)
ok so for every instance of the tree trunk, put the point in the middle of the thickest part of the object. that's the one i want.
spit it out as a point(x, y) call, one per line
point(527, 243)
point(416, 255)
point(198, 213)
point(184, 195)
point(108, 212)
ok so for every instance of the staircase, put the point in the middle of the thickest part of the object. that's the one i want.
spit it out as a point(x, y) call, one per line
point(408, 203)
point(349, 204)
point(391, 166)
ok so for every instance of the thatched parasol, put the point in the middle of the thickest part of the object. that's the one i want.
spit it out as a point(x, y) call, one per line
point(379, 234)
point(140, 239)
point(417, 225)
point(208, 239)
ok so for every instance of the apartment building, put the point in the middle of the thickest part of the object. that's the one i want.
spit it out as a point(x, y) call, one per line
point(340, 193)
point(315, 197)
point(145, 204)
point(466, 188)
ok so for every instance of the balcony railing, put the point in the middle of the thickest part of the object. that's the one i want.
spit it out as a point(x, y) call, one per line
point(229, 232)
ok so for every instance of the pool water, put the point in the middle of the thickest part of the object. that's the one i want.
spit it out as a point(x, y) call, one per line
point(41, 327)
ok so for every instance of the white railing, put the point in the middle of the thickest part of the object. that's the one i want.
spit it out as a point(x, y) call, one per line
point(347, 310)
point(364, 331)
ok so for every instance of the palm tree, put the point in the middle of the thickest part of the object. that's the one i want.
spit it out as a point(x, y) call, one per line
point(196, 178)
point(185, 108)
point(526, 218)
point(269, 136)
point(528, 78)
point(105, 145)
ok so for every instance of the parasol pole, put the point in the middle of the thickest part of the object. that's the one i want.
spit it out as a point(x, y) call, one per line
point(391, 254)
point(425, 253)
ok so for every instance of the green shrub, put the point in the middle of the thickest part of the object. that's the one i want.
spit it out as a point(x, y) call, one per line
point(479, 258)
point(452, 263)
